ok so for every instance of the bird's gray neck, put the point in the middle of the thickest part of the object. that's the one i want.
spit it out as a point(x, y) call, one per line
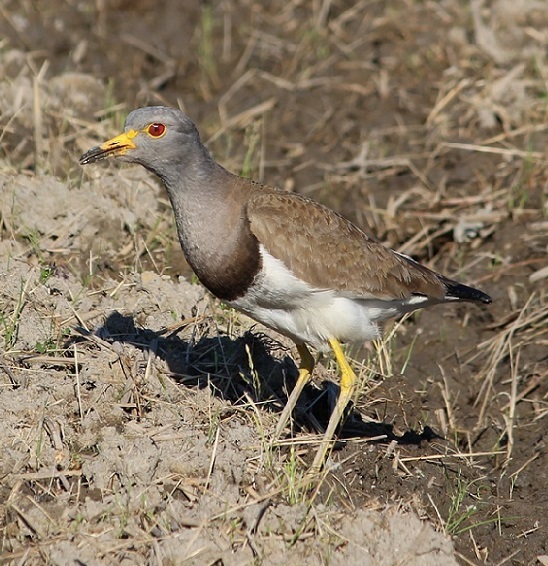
point(192, 167)
point(197, 189)
point(209, 207)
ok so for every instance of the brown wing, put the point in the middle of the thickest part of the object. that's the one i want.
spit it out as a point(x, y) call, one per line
point(329, 252)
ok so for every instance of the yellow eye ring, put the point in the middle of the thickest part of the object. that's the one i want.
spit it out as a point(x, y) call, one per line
point(156, 130)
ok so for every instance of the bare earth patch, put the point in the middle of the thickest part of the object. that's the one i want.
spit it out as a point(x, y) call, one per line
point(106, 454)
point(137, 411)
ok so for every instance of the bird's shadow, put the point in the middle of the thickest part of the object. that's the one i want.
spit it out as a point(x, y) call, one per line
point(243, 369)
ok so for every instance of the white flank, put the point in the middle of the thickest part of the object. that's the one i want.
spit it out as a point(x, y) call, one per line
point(290, 306)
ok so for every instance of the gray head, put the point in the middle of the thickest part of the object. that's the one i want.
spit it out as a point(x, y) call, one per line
point(159, 138)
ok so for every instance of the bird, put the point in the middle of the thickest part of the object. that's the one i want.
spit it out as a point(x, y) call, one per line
point(283, 259)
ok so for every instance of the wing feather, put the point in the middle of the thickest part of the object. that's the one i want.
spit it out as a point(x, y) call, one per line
point(328, 252)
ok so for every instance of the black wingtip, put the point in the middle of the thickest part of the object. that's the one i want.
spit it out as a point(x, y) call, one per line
point(465, 293)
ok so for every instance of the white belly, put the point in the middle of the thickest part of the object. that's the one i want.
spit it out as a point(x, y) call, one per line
point(284, 303)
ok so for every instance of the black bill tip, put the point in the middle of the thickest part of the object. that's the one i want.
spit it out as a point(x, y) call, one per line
point(93, 155)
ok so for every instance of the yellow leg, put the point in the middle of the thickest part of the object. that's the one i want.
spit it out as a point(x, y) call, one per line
point(305, 371)
point(348, 384)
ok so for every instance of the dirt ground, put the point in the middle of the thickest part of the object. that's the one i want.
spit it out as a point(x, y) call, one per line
point(137, 411)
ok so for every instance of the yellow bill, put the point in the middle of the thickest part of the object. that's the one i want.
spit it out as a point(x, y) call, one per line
point(111, 148)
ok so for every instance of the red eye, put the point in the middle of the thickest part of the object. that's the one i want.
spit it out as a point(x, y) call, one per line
point(156, 130)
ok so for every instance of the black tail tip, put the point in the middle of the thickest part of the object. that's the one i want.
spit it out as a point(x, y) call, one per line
point(465, 293)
